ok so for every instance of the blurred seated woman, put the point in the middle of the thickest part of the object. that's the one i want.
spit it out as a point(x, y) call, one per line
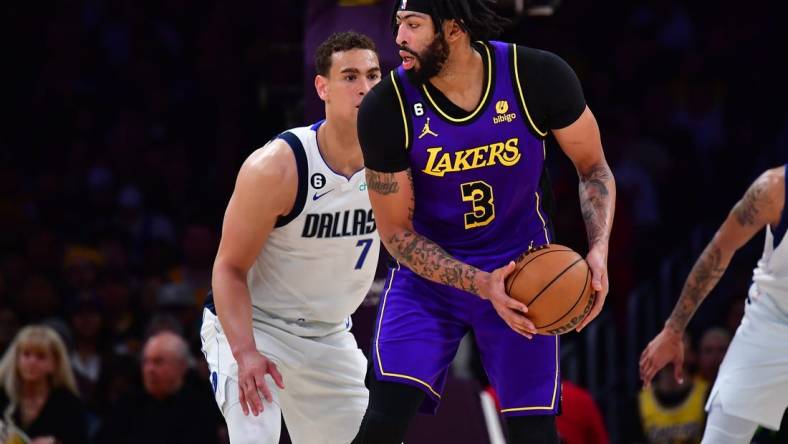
point(39, 395)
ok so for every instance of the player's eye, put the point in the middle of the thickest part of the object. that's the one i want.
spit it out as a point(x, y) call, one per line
point(413, 25)
point(350, 77)
point(373, 76)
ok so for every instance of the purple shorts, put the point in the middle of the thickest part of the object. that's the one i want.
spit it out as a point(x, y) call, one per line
point(420, 325)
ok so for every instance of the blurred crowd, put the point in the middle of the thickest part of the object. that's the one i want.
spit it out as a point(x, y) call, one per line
point(129, 119)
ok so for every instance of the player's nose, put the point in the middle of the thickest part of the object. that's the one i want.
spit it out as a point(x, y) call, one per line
point(366, 85)
point(401, 39)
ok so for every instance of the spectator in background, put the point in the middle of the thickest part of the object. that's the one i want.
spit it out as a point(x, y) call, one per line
point(81, 266)
point(672, 412)
point(198, 245)
point(116, 298)
point(668, 411)
point(39, 393)
point(580, 421)
point(177, 300)
point(87, 354)
point(167, 410)
point(711, 350)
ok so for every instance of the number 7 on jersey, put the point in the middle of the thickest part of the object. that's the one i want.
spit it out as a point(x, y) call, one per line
point(364, 244)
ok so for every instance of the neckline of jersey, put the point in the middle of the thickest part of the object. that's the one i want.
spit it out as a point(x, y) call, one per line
point(314, 127)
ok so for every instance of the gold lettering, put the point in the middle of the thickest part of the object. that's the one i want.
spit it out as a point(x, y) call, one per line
point(512, 155)
point(440, 162)
point(431, 160)
point(461, 160)
point(496, 150)
point(444, 165)
point(478, 156)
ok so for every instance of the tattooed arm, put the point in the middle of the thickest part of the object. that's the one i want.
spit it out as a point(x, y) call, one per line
point(582, 143)
point(394, 202)
point(762, 204)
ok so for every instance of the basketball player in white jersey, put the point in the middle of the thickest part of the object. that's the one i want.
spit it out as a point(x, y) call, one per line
point(752, 385)
point(298, 254)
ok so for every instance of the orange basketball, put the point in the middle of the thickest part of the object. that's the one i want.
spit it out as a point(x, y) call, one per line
point(554, 282)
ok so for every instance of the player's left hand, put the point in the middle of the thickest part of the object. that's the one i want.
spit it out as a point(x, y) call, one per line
point(597, 262)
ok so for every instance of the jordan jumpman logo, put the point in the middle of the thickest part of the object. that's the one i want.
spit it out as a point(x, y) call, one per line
point(426, 130)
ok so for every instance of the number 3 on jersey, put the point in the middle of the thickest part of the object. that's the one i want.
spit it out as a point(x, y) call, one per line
point(480, 194)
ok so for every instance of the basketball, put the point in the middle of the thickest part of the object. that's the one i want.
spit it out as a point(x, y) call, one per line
point(554, 282)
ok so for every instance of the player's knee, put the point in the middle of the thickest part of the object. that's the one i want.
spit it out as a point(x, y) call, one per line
point(379, 428)
point(391, 408)
point(264, 428)
point(722, 428)
point(532, 429)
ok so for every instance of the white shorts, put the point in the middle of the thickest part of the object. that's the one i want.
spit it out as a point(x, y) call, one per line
point(753, 379)
point(324, 398)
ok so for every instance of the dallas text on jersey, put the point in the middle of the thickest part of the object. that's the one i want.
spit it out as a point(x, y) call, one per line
point(347, 223)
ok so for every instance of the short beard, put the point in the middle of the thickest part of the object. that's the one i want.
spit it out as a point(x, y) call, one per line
point(431, 60)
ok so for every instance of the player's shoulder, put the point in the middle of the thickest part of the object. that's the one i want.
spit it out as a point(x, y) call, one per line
point(276, 161)
point(774, 176)
point(764, 200)
point(540, 59)
point(771, 183)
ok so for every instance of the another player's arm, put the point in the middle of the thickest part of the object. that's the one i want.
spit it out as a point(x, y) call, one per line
point(393, 202)
point(250, 217)
point(762, 204)
point(582, 143)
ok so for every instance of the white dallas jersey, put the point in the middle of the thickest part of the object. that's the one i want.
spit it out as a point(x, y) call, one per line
point(318, 263)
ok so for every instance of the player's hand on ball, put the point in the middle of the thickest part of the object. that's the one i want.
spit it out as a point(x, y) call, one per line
point(597, 262)
point(667, 347)
point(509, 309)
point(252, 368)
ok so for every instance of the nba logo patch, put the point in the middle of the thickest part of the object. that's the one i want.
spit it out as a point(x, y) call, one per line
point(214, 381)
point(403, 4)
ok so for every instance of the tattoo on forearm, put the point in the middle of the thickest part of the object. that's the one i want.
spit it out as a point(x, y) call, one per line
point(383, 183)
point(431, 261)
point(705, 274)
point(597, 202)
point(747, 208)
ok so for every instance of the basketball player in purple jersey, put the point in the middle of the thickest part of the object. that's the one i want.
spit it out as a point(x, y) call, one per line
point(453, 144)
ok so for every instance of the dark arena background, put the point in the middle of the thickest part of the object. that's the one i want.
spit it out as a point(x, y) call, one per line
point(126, 121)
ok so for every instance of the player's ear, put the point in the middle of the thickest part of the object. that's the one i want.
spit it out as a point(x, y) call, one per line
point(321, 86)
point(452, 30)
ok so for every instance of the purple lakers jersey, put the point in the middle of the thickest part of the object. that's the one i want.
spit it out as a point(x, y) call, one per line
point(476, 178)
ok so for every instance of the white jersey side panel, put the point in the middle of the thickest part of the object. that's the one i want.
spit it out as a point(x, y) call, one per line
point(318, 267)
point(771, 274)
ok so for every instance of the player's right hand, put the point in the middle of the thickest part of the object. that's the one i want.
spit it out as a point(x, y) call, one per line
point(252, 368)
point(667, 347)
point(509, 309)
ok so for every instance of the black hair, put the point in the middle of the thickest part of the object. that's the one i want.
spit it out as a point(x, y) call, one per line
point(339, 42)
point(476, 17)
